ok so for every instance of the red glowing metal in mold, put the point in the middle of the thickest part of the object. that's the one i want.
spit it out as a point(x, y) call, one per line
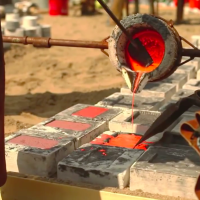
point(122, 140)
point(36, 142)
point(90, 112)
point(75, 126)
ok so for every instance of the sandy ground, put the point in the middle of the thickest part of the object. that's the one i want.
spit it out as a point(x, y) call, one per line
point(42, 82)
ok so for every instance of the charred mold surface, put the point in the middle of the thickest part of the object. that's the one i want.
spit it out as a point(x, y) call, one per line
point(176, 129)
point(159, 89)
point(144, 117)
point(142, 120)
point(171, 140)
point(100, 165)
point(181, 94)
point(81, 130)
point(35, 155)
point(190, 112)
point(124, 101)
point(192, 84)
point(125, 140)
point(177, 79)
point(89, 112)
point(173, 168)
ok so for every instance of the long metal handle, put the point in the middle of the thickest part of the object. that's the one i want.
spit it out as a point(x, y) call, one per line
point(114, 18)
point(191, 52)
point(48, 42)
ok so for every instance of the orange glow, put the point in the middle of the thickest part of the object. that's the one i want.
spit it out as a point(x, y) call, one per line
point(121, 140)
point(155, 46)
point(127, 141)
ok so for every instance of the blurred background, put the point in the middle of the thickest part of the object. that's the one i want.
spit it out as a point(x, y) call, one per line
point(42, 82)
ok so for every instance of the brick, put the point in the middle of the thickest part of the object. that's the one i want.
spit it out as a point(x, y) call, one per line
point(12, 16)
point(177, 79)
point(30, 31)
point(181, 94)
point(38, 31)
point(125, 140)
point(196, 40)
point(34, 153)
point(158, 89)
point(90, 112)
point(12, 25)
point(46, 30)
point(173, 168)
point(142, 120)
point(192, 84)
point(185, 93)
point(195, 62)
point(124, 101)
point(82, 130)
point(188, 70)
point(191, 111)
point(106, 166)
point(179, 122)
point(126, 90)
point(170, 140)
point(29, 21)
point(18, 32)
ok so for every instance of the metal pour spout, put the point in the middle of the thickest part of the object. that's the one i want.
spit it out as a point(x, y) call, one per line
point(135, 81)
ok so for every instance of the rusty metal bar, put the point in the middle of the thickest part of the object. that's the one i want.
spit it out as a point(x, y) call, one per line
point(179, 12)
point(48, 42)
point(127, 7)
point(191, 52)
point(3, 175)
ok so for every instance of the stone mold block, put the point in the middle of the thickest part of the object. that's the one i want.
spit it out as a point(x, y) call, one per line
point(188, 70)
point(181, 94)
point(190, 112)
point(176, 79)
point(82, 130)
point(124, 101)
point(192, 84)
point(159, 89)
point(31, 153)
point(169, 171)
point(142, 120)
point(106, 166)
point(90, 112)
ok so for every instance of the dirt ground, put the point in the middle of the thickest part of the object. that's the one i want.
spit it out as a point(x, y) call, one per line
point(42, 82)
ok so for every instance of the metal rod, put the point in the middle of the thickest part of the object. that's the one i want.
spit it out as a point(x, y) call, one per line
point(191, 52)
point(179, 11)
point(48, 42)
point(127, 7)
point(117, 22)
point(136, 49)
point(3, 174)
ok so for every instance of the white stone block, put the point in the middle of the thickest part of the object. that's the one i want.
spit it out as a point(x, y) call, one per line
point(169, 171)
point(106, 166)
